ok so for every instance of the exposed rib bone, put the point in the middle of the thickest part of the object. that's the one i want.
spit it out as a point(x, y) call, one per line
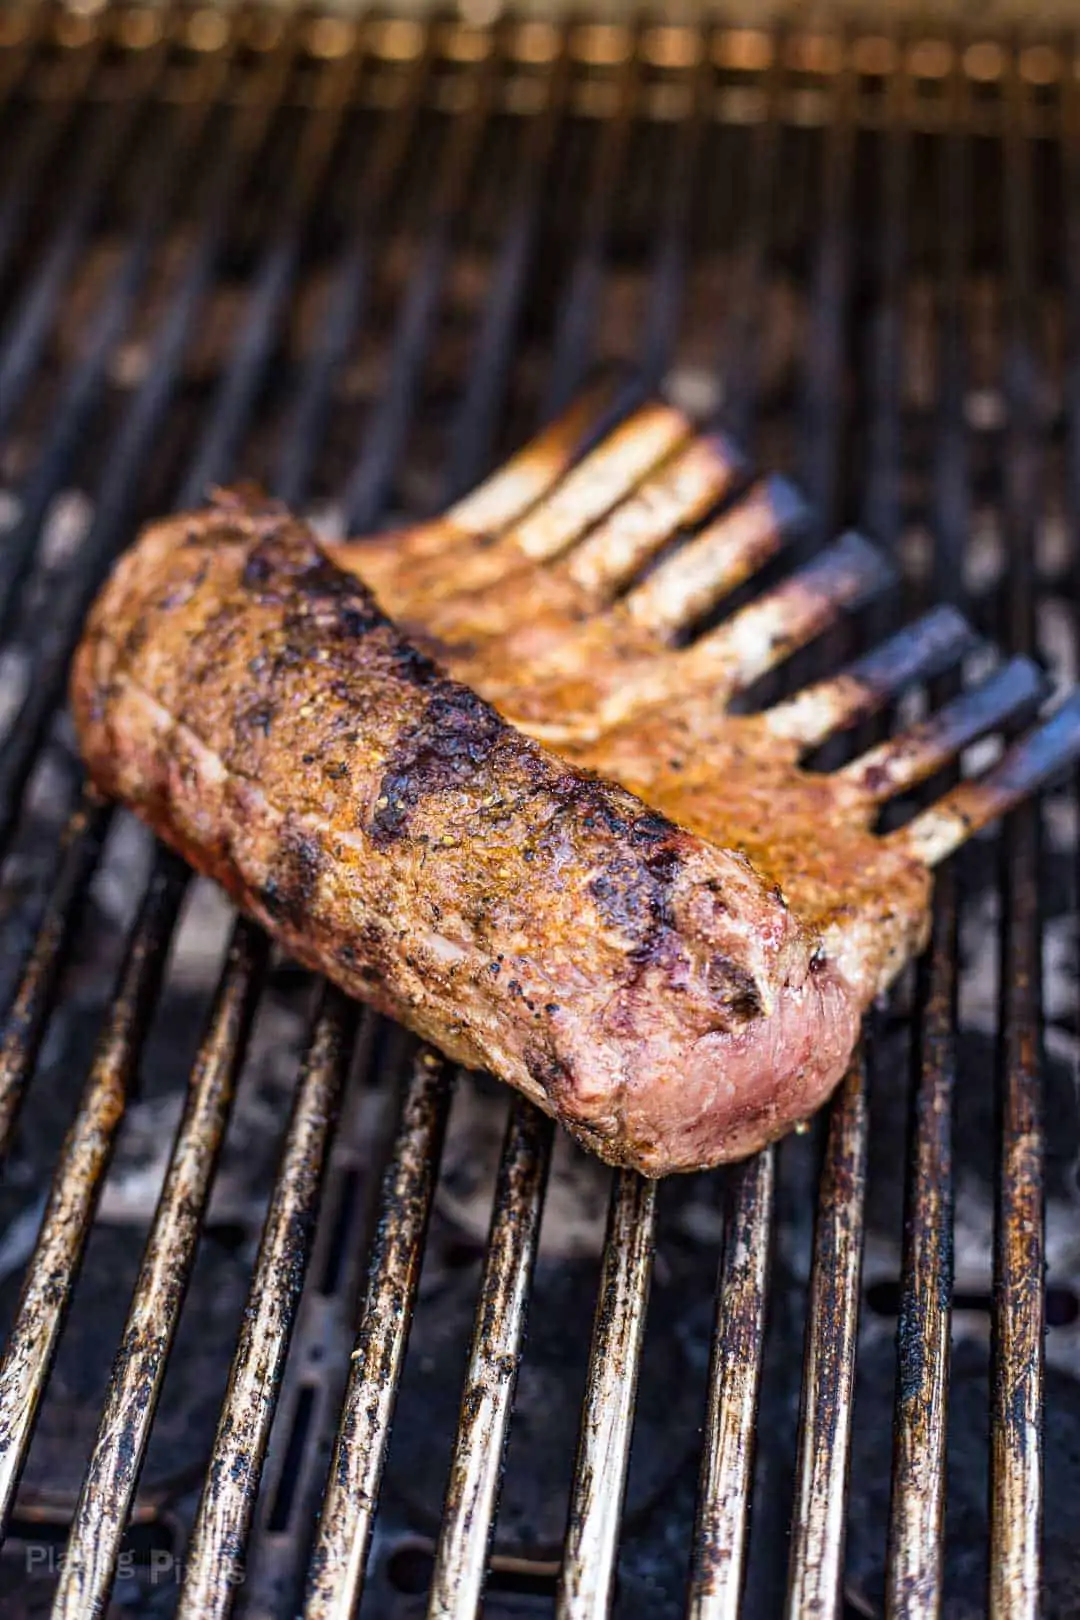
point(525, 479)
point(711, 565)
point(679, 493)
point(1028, 765)
point(842, 577)
point(606, 476)
point(899, 763)
point(466, 551)
point(585, 580)
point(920, 651)
point(539, 633)
point(730, 658)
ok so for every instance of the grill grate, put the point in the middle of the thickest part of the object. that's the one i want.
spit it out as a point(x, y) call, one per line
point(360, 260)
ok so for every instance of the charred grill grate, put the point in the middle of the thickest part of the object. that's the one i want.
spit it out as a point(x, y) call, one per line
point(360, 261)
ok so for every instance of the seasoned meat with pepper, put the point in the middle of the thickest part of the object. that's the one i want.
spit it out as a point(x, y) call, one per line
point(576, 597)
point(678, 971)
point(251, 701)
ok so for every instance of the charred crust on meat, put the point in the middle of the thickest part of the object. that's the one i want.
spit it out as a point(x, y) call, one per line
point(453, 740)
point(650, 829)
point(258, 569)
point(134, 640)
point(328, 610)
point(633, 891)
point(290, 886)
point(735, 989)
point(411, 665)
point(285, 566)
point(258, 717)
point(594, 1139)
point(549, 1072)
point(626, 899)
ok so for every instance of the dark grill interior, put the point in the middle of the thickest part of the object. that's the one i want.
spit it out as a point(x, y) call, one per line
point(360, 262)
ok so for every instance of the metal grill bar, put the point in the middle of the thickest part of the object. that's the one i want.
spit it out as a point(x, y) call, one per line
point(720, 1528)
point(21, 344)
point(77, 1180)
point(1018, 1352)
point(1070, 184)
point(573, 344)
point(384, 439)
point(468, 1523)
point(721, 1525)
point(818, 1524)
point(832, 1319)
point(819, 1511)
point(740, 362)
point(26, 1018)
point(128, 1412)
point(23, 31)
point(1020, 1267)
point(882, 502)
point(670, 266)
point(227, 422)
point(163, 168)
point(952, 472)
point(317, 1368)
point(923, 1332)
point(348, 295)
point(343, 1539)
point(915, 1552)
point(117, 493)
point(474, 432)
point(28, 165)
point(214, 1569)
point(823, 392)
point(587, 1581)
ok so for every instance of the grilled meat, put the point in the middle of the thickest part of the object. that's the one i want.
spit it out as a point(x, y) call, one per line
point(254, 705)
point(677, 972)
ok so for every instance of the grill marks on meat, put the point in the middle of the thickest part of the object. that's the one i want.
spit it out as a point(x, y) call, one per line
point(733, 779)
point(253, 703)
point(453, 738)
point(679, 983)
point(599, 645)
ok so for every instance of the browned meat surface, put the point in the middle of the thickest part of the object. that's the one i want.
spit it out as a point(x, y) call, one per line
point(677, 971)
point(573, 601)
point(614, 698)
point(253, 704)
point(572, 660)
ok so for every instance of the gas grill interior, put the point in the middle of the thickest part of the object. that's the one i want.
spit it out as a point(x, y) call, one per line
point(278, 1292)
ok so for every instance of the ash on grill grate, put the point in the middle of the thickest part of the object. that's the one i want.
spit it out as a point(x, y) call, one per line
point(360, 260)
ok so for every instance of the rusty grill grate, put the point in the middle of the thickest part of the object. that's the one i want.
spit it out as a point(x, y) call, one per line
point(360, 260)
